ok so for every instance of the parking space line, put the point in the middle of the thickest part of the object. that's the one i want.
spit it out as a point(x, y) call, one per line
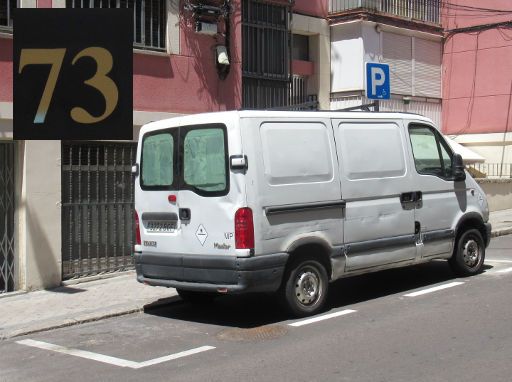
point(322, 318)
point(506, 270)
point(107, 359)
point(433, 289)
point(498, 261)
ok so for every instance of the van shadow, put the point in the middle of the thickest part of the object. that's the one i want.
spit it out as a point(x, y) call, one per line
point(255, 310)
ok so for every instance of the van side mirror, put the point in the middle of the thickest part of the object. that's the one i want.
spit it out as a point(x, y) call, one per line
point(458, 168)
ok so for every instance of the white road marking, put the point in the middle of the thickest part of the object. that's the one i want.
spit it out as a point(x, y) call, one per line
point(111, 360)
point(506, 270)
point(433, 289)
point(498, 261)
point(322, 318)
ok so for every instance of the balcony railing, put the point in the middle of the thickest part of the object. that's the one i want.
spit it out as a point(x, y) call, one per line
point(490, 170)
point(421, 10)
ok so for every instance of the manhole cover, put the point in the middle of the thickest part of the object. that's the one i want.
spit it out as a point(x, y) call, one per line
point(261, 333)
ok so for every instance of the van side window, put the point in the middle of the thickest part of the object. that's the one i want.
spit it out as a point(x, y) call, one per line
point(431, 153)
point(157, 168)
point(204, 160)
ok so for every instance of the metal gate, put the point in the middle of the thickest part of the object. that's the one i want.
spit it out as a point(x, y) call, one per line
point(7, 268)
point(266, 54)
point(97, 208)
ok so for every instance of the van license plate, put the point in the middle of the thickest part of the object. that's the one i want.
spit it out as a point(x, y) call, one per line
point(160, 226)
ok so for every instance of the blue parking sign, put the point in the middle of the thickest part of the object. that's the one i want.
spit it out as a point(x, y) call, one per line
point(377, 81)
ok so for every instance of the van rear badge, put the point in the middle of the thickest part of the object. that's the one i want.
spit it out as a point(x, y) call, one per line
point(201, 234)
point(221, 246)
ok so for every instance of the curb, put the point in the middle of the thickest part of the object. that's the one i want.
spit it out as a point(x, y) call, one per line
point(67, 322)
point(501, 232)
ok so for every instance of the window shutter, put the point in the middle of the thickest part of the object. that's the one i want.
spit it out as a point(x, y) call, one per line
point(397, 52)
point(427, 80)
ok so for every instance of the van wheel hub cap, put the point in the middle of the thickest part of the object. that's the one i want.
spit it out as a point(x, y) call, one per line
point(307, 287)
point(471, 253)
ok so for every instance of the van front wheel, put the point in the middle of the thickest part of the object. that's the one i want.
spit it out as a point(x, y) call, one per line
point(468, 258)
point(305, 289)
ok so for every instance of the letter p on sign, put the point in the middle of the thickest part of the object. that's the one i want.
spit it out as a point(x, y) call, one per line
point(377, 81)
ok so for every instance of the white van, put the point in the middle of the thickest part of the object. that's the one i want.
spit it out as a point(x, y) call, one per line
point(286, 202)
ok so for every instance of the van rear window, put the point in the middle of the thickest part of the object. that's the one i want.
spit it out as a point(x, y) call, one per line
point(191, 158)
point(157, 165)
point(204, 160)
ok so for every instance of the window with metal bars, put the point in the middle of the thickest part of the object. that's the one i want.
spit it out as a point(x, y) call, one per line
point(6, 11)
point(149, 19)
point(266, 51)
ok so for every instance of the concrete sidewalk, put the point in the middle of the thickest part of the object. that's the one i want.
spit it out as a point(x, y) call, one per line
point(24, 313)
point(501, 222)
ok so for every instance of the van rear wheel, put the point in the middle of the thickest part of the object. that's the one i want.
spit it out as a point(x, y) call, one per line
point(195, 297)
point(468, 258)
point(305, 288)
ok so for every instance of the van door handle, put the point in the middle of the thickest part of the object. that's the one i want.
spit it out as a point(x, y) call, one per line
point(184, 213)
point(410, 197)
point(407, 197)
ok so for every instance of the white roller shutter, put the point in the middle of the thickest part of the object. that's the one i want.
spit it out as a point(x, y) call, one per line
point(427, 68)
point(397, 52)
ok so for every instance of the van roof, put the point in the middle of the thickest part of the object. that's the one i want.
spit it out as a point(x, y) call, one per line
point(226, 115)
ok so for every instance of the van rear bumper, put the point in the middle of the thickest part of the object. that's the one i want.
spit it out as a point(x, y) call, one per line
point(211, 273)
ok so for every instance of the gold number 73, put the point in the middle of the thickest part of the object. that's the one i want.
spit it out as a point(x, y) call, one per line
point(100, 81)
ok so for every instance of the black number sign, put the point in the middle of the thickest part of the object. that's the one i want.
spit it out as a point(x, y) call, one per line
point(73, 74)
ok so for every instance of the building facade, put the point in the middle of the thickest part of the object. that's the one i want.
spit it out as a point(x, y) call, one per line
point(407, 35)
point(477, 78)
point(66, 207)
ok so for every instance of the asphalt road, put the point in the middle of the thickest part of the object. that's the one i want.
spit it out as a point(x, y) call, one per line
point(377, 328)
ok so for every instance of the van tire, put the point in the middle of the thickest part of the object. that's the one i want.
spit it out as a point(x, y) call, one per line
point(196, 297)
point(305, 287)
point(469, 255)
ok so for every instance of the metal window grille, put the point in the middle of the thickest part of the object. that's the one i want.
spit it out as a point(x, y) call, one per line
point(423, 10)
point(298, 90)
point(149, 19)
point(266, 52)
point(97, 208)
point(7, 266)
point(6, 10)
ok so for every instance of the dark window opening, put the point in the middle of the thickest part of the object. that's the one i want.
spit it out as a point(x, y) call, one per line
point(300, 50)
point(6, 11)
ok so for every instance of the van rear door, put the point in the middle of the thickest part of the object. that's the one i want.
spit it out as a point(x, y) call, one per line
point(186, 197)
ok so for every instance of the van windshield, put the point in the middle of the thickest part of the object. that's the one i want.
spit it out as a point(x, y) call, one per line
point(186, 158)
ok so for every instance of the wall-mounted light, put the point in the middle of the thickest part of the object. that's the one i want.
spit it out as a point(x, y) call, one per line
point(222, 55)
point(407, 100)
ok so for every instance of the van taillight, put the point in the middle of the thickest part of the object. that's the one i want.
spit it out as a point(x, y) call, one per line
point(137, 229)
point(244, 229)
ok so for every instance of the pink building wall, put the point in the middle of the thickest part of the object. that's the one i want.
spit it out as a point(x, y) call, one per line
point(188, 82)
point(317, 8)
point(477, 70)
point(184, 83)
point(5, 70)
